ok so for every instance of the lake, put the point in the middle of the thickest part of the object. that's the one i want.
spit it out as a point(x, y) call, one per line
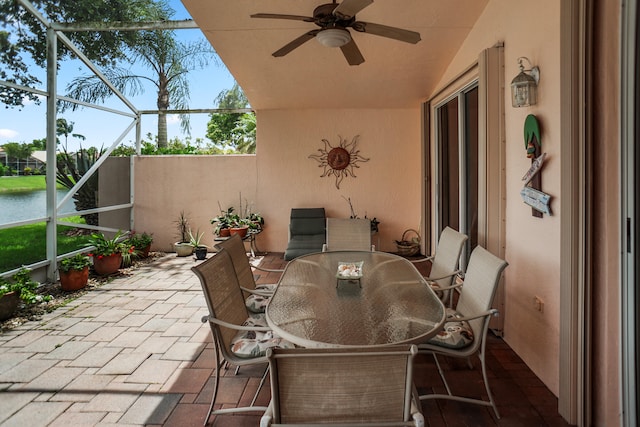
point(22, 206)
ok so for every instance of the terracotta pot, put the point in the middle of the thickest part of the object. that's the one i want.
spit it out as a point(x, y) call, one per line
point(224, 232)
point(73, 280)
point(242, 231)
point(144, 252)
point(107, 264)
point(9, 304)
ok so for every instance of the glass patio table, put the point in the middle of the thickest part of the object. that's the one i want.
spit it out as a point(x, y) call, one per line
point(386, 302)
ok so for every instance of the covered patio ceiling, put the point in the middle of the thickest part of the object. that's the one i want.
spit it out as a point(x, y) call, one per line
point(394, 75)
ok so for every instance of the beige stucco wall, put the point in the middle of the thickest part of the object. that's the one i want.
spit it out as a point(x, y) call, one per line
point(281, 176)
point(386, 187)
point(167, 185)
point(530, 29)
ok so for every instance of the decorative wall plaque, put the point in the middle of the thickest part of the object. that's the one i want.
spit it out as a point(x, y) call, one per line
point(339, 161)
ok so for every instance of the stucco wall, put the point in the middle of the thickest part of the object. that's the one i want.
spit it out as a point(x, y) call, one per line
point(530, 29)
point(167, 185)
point(281, 176)
point(386, 187)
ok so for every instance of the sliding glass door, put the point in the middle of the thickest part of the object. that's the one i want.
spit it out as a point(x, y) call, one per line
point(457, 165)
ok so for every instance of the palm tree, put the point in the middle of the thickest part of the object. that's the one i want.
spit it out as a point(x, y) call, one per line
point(63, 127)
point(169, 62)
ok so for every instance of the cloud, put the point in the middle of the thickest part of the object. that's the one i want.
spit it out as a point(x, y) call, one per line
point(8, 133)
point(173, 119)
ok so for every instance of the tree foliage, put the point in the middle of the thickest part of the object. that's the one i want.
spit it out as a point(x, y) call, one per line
point(232, 131)
point(63, 127)
point(18, 151)
point(23, 33)
point(168, 61)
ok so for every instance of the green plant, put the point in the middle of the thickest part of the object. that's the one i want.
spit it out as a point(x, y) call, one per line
point(76, 262)
point(140, 240)
point(107, 247)
point(182, 223)
point(226, 219)
point(25, 286)
point(230, 219)
point(195, 240)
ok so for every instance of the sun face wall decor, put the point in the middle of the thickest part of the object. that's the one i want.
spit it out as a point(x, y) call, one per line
point(340, 160)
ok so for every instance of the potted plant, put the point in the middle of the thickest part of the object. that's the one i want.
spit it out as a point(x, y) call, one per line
point(21, 288)
point(141, 243)
point(256, 221)
point(183, 246)
point(224, 221)
point(74, 272)
point(108, 253)
point(195, 240)
point(240, 226)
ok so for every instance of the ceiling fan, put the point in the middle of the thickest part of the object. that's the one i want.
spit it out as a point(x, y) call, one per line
point(333, 20)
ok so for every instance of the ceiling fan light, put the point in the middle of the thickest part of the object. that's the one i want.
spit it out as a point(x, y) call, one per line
point(333, 37)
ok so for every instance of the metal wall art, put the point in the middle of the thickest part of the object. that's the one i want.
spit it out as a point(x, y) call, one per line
point(339, 160)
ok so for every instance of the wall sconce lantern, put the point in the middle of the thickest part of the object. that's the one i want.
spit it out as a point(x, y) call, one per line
point(524, 87)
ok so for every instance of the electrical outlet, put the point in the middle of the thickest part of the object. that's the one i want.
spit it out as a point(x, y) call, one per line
point(538, 304)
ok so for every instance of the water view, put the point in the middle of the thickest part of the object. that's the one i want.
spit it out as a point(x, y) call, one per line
point(27, 205)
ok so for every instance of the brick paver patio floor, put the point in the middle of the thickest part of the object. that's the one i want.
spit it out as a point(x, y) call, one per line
point(134, 352)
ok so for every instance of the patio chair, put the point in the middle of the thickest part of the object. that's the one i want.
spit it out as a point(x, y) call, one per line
point(256, 296)
point(346, 234)
point(465, 330)
point(237, 338)
point(444, 264)
point(343, 386)
point(306, 232)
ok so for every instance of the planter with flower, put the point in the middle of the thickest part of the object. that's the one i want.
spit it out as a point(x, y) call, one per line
point(195, 240)
point(141, 243)
point(74, 272)
point(21, 288)
point(109, 254)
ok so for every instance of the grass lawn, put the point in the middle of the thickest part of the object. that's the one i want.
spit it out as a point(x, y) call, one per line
point(26, 244)
point(23, 183)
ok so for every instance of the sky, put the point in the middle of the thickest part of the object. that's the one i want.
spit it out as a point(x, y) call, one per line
point(100, 128)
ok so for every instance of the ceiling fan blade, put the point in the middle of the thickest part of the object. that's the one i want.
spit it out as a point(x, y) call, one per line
point(278, 16)
point(295, 43)
point(386, 31)
point(352, 53)
point(348, 8)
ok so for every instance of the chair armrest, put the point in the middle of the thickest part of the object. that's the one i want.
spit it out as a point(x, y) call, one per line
point(232, 326)
point(416, 414)
point(491, 312)
point(416, 261)
point(268, 270)
point(265, 420)
point(453, 273)
point(256, 292)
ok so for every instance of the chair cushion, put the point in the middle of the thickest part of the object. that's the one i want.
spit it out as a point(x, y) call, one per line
point(307, 226)
point(455, 334)
point(250, 344)
point(256, 303)
point(271, 287)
